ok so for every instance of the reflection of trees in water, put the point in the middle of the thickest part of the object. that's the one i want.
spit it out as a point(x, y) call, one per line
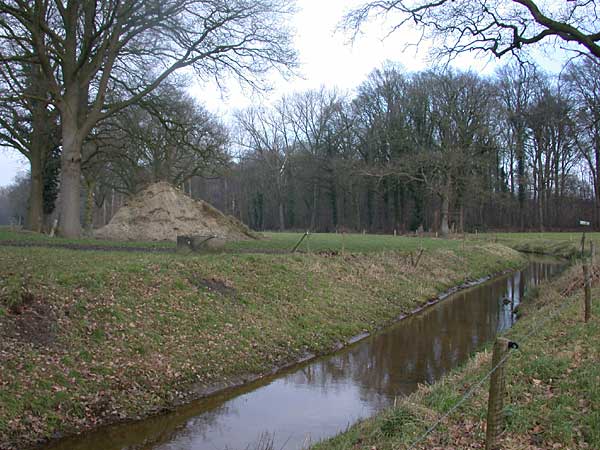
point(423, 348)
point(145, 434)
point(418, 350)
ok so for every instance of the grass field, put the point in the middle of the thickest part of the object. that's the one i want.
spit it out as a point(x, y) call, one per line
point(8, 234)
point(562, 244)
point(319, 242)
point(566, 244)
point(553, 385)
point(97, 336)
point(269, 243)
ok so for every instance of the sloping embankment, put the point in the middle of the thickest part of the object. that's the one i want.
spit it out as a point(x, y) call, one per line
point(560, 249)
point(553, 387)
point(104, 336)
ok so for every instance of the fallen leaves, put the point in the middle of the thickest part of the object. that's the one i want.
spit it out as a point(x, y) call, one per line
point(132, 333)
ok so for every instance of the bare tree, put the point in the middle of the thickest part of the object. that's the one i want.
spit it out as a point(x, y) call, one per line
point(442, 136)
point(583, 82)
point(265, 136)
point(499, 27)
point(89, 48)
point(167, 136)
point(313, 116)
point(551, 145)
point(385, 132)
point(515, 89)
point(28, 125)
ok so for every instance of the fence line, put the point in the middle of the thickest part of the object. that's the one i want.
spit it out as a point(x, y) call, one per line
point(473, 388)
point(466, 396)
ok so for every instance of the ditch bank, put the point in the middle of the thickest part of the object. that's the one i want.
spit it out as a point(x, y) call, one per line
point(565, 249)
point(553, 386)
point(118, 337)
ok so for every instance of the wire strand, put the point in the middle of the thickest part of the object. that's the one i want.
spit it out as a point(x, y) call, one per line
point(536, 327)
point(469, 393)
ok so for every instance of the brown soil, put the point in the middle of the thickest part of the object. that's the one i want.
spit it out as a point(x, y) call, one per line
point(215, 285)
point(32, 321)
point(161, 213)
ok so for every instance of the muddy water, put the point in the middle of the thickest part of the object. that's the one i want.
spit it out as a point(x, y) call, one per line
point(322, 397)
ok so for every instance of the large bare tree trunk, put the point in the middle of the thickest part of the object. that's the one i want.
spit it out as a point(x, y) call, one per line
point(281, 216)
point(35, 220)
point(70, 184)
point(37, 152)
point(445, 206)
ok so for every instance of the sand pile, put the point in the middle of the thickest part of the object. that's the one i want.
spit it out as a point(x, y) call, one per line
point(161, 212)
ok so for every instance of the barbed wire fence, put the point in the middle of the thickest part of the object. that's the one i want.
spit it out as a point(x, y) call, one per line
point(498, 365)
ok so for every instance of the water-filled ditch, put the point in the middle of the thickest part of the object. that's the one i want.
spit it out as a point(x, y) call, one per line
point(322, 397)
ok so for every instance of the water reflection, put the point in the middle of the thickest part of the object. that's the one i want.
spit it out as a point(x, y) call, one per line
point(324, 396)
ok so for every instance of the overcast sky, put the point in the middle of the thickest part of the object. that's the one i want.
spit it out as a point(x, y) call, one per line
point(326, 59)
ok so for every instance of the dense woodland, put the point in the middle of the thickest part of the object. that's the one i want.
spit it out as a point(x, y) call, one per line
point(437, 149)
point(440, 150)
point(433, 150)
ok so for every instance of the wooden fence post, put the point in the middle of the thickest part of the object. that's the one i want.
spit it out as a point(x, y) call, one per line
point(495, 418)
point(587, 289)
point(299, 242)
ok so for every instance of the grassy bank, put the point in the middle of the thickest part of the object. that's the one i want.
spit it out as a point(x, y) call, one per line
point(553, 384)
point(563, 245)
point(566, 245)
point(268, 243)
point(93, 337)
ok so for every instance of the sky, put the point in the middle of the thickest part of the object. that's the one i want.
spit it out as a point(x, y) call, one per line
point(326, 59)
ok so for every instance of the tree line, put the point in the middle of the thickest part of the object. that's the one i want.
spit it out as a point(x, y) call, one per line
point(436, 150)
point(93, 95)
point(66, 68)
point(433, 150)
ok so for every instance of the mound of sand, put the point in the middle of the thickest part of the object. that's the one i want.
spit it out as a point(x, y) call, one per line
point(161, 212)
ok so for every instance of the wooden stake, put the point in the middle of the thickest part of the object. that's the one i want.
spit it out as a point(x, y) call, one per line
point(587, 289)
point(495, 418)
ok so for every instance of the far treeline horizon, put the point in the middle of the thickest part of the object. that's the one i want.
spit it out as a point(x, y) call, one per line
point(96, 102)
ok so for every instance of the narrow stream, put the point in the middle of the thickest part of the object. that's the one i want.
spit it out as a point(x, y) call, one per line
point(322, 397)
